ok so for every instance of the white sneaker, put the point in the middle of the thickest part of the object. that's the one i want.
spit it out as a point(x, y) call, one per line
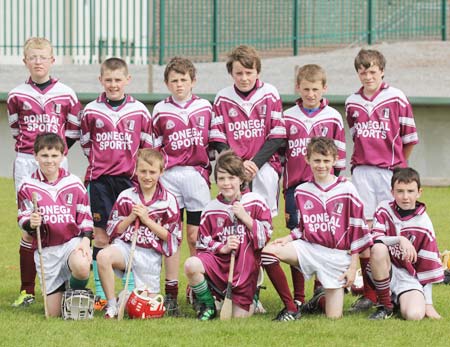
point(111, 312)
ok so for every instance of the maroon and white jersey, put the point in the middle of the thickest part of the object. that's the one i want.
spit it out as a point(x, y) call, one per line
point(111, 137)
point(63, 205)
point(163, 209)
point(182, 133)
point(331, 216)
point(246, 123)
point(301, 126)
point(380, 127)
point(32, 111)
point(418, 229)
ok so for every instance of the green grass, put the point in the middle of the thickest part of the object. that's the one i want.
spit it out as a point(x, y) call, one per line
point(28, 327)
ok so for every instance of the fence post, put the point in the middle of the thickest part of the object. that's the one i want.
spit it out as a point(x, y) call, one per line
point(444, 20)
point(215, 32)
point(162, 22)
point(370, 31)
point(294, 29)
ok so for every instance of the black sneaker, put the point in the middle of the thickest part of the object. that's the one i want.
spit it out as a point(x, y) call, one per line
point(206, 313)
point(285, 316)
point(382, 313)
point(171, 305)
point(360, 305)
point(312, 306)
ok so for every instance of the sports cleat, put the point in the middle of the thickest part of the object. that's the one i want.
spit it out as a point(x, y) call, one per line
point(312, 306)
point(285, 316)
point(382, 313)
point(206, 313)
point(100, 304)
point(111, 312)
point(360, 305)
point(24, 299)
point(171, 305)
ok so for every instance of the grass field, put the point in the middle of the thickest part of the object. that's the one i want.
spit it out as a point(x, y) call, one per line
point(28, 327)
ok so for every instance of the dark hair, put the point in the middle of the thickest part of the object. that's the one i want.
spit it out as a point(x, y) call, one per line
point(229, 162)
point(321, 145)
point(180, 65)
point(247, 56)
point(114, 64)
point(370, 57)
point(405, 175)
point(50, 141)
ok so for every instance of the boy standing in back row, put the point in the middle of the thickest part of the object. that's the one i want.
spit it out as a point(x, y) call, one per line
point(113, 128)
point(41, 104)
point(382, 126)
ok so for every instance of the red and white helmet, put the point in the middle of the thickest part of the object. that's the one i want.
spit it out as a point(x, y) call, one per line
point(141, 306)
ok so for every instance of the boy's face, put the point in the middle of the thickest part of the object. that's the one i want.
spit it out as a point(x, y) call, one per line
point(321, 166)
point(38, 62)
point(114, 83)
point(229, 185)
point(406, 194)
point(311, 93)
point(371, 79)
point(244, 79)
point(49, 160)
point(180, 85)
point(148, 175)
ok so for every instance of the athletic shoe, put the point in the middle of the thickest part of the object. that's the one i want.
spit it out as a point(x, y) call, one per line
point(285, 316)
point(312, 306)
point(111, 312)
point(206, 313)
point(171, 305)
point(100, 304)
point(382, 313)
point(360, 305)
point(24, 299)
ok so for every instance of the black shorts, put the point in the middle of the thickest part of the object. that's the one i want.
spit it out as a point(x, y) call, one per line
point(103, 193)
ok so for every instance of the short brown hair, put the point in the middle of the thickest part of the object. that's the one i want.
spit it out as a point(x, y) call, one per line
point(229, 162)
point(311, 73)
point(113, 64)
point(321, 145)
point(370, 57)
point(49, 141)
point(247, 56)
point(180, 65)
point(405, 175)
point(151, 156)
point(37, 43)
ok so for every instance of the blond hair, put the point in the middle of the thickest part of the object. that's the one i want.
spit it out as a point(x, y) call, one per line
point(311, 73)
point(37, 43)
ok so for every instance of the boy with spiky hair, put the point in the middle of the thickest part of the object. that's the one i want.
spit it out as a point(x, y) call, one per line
point(404, 261)
point(384, 133)
point(63, 217)
point(311, 116)
point(248, 118)
point(181, 125)
point(237, 220)
point(41, 104)
point(113, 128)
point(331, 233)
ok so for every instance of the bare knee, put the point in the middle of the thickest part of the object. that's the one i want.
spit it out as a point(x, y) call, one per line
point(101, 238)
point(192, 266)
point(379, 254)
point(104, 258)
point(413, 313)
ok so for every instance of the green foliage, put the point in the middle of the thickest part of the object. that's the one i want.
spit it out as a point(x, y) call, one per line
point(28, 327)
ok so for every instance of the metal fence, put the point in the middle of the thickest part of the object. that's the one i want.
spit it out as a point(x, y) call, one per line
point(151, 31)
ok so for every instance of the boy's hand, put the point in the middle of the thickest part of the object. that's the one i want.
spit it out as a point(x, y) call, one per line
point(85, 247)
point(141, 212)
point(431, 312)
point(349, 276)
point(250, 169)
point(283, 240)
point(35, 220)
point(238, 210)
point(408, 251)
point(232, 243)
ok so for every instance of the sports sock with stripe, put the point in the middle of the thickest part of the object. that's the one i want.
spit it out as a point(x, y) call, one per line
point(369, 292)
point(27, 267)
point(298, 282)
point(76, 283)
point(203, 294)
point(383, 292)
point(98, 284)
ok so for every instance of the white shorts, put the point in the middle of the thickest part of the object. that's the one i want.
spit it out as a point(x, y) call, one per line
point(146, 265)
point(401, 282)
point(56, 263)
point(267, 184)
point(327, 263)
point(373, 185)
point(25, 165)
point(188, 186)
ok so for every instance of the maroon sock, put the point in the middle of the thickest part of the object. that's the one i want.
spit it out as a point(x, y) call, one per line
point(322, 303)
point(27, 267)
point(383, 292)
point(368, 291)
point(171, 288)
point(299, 284)
point(317, 284)
point(271, 264)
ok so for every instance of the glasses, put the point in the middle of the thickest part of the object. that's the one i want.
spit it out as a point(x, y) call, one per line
point(35, 58)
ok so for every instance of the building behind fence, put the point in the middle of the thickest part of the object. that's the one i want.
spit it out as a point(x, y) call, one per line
point(151, 31)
